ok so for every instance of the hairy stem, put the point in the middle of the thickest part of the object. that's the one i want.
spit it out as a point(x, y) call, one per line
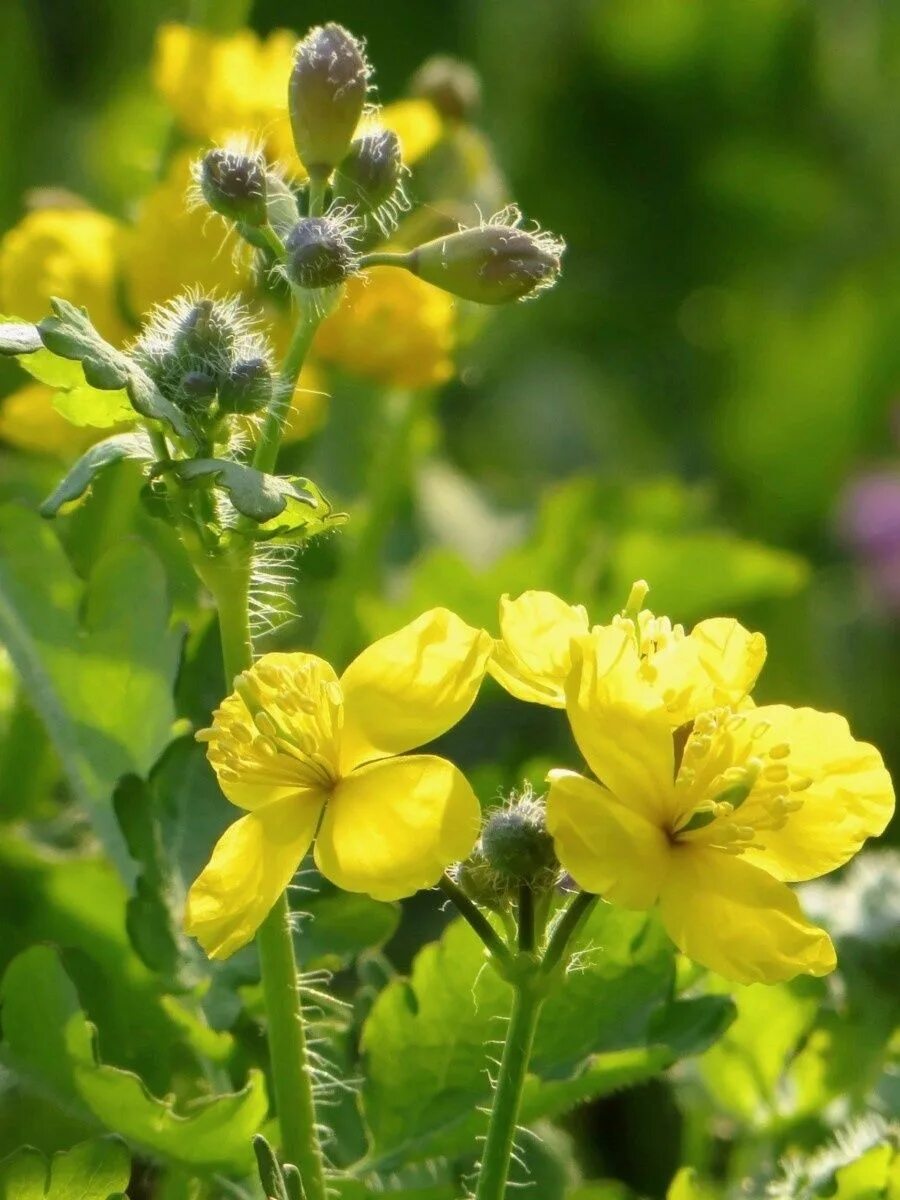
point(494, 1170)
point(287, 1037)
point(566, 928)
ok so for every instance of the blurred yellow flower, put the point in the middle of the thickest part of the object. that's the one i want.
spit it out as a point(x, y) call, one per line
point(219, 85)
point(716, 663)
point(172, 247)
point(393, 328)
point(310, 755)
point(714, 819)
point(73, 253)
point(29, 422)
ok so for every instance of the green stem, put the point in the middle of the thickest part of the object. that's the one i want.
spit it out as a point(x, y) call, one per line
point(288, 1052)
point(476, 919)
point(498, 1147)
point(389, 477)
point(267, 447)
point(385, 258)
point(317, 185)
point(566, 929)
point(287, 1039)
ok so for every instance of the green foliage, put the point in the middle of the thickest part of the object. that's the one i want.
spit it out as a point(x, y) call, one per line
point(284, 507)
point(51, 1046)
point(69, 334)
point(428, 1042)
point(100, 457)
point(108, 704)
point(95, 1170)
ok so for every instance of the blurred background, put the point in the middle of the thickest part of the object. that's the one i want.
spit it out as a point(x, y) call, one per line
point(709, 399)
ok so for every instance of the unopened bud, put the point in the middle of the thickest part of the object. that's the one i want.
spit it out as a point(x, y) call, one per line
point(516, 843)
point(247, 388)
point(205, 330)
point(326, 96)
point(234, 185)
point(370, 174)
point(198, 388)
point(453, 87)
point(481, 883)
point(319, 253)
point(492, 264)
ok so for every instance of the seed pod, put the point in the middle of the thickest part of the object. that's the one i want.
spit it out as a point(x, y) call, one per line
point(493, 264)
point(234, 185)
point(319, 253)
point(369, 175)
point(453, 87)
point(326, 95)
point(247, 388)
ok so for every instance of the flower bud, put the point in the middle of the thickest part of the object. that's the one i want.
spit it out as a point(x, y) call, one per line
point(319, 253)
point(481, 883)
point(453, 87)
point(326, 95)
point(205, 330)
point(234, 185)
point(247, 388)
point(198, 388)
point(370, 174)
point(492, 264)
point(516, 844)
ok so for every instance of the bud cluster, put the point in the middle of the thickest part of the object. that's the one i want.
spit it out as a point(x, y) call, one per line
point(206, 356)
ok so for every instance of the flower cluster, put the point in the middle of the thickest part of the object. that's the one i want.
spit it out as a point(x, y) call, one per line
point(698, 800)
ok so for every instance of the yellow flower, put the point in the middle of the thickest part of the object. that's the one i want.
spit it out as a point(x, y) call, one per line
point(393, 328)
point(172, 247)
point(716, 663)
point(69, 252)
point(233, 84)
point(714, 824)
point(310, 755)
point(29, 422)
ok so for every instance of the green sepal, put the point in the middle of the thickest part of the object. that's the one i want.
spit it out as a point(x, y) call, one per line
point(282, 506)
point(69, 334)
point(73, 488)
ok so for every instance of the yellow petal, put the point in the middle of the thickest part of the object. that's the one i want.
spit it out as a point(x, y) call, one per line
point(737, 920)
point(620, 723)
point(416, 123)
point(392, 827)
point(288, 744)
point(533, 657)
point(251, 865)
point(850, 796)
point(605, 846)
point(412, 686)
point(716, 664)
point(29, 421)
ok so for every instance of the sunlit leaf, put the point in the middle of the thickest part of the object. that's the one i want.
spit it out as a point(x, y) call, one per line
point(76, 484)
point(50, 1045)
point(96, 1170)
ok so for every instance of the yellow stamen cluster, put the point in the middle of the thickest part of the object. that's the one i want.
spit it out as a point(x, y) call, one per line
point(722, 770)
point(280, 726)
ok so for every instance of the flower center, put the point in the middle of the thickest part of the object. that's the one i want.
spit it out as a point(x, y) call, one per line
point(281, 727)
point(734, 782)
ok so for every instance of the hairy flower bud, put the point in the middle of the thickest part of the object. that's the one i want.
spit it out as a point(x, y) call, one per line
point(319, 252)
point(492, 264)
point(326, 96)
point(370, 174)
point(205, 331)
point(246, 388)
point(234, 185)
point(453, 87)
point(198, 388)
point(516, 844)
